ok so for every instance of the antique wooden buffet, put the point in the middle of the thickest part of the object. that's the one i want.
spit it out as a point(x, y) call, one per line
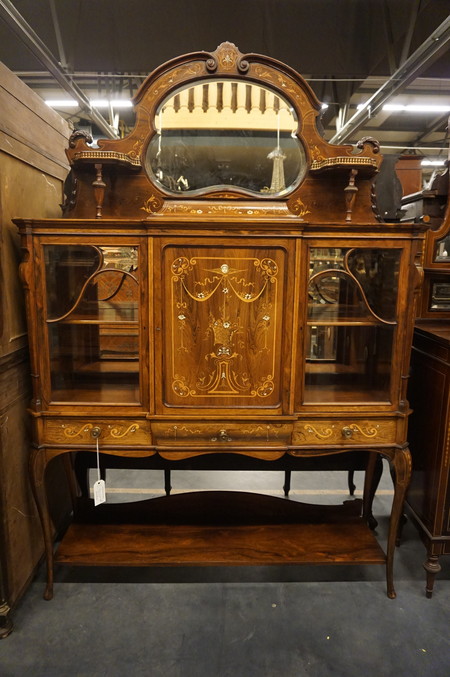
point(428, 498)
point(220, 285)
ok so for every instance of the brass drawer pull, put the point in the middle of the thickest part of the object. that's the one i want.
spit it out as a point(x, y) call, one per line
point(347, 432)
point(222, 436)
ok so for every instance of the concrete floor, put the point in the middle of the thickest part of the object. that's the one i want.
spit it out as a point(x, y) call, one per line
point(238, 622)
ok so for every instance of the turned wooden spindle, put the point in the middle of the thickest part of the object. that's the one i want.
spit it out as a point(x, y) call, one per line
point(99, 190)
point(350, 194)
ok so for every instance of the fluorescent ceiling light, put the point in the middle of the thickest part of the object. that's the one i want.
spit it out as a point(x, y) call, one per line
point(99, 103)
point(394, 106)
point(62, 103)
point(121, 103)
point(432, 163)
point(114, 103)
point(324, 106)
point(412, 107)
point(417, 108)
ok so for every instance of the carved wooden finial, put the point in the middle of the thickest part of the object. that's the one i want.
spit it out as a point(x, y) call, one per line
point(227, 57)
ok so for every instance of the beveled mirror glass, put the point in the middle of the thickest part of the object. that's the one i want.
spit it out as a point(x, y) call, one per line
point(225, 133)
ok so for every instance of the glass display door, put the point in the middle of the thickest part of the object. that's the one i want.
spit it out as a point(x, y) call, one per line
point(92, 321)
point(351, 323)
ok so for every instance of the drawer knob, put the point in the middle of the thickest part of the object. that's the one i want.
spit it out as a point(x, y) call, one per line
point(347, 432)
point(222, 436)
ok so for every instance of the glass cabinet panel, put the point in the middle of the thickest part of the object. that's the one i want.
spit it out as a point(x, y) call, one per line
point(439, 293)
point(352, 299)
point(442, 250)
point(93, 322)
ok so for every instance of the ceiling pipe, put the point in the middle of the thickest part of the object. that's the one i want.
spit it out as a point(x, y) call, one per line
point(434, 45)
point(27, 35)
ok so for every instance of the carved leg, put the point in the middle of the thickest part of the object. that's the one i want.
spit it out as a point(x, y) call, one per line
point(351, 484)
point(167, 485)
point(6, 625)
point(374, 470)
point(287, 482)
point(37, 472)
point(403, 520)
point(432, 567)
point(401, 463)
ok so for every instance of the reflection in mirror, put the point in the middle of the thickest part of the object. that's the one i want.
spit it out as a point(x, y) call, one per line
point(217, 134)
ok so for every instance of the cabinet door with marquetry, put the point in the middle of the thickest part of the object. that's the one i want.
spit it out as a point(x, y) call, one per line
point(225, 325)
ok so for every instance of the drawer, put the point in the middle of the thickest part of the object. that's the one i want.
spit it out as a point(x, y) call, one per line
point(112, 431)
point(217, 434)
point(345, 432)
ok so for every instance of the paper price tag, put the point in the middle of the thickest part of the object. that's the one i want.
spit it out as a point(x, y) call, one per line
point(99, 492)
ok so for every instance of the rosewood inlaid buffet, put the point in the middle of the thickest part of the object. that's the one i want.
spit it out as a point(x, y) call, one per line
point(220, 286)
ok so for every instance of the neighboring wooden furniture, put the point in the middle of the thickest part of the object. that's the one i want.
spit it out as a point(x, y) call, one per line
point(428, 497)
point(409, 172)
point(33, 167)
point(429, 387)
point(221, 286)
point(430, 206)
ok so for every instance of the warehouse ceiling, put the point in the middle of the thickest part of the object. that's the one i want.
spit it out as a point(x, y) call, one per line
point(371, 53)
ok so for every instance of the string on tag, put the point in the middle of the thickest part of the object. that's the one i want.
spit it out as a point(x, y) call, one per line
point(98, 461)
point(99, 485)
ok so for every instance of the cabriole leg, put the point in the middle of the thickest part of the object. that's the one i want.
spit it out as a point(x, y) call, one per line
point(37, 472)
point(401, 464)
point(372, 477)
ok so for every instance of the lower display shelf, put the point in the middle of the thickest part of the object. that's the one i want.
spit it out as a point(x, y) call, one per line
point(221, 529)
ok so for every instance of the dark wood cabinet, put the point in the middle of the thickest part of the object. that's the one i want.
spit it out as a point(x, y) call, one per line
point(428, 497)
point(429, 387)
point(220, 286)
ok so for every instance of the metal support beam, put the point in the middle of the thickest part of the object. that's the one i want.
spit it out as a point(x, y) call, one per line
point(434, 46)
point(414, 13)
point(430, 128)
point(59, 40)
point(27, 35)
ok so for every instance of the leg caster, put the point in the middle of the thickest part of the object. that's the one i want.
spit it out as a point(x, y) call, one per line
point(6, 626)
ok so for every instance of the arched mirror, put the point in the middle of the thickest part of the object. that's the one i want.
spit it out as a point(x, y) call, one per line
point(222, 134)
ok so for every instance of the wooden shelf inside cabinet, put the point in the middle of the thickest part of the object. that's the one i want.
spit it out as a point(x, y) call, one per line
point(340, 315)
point(102, 323)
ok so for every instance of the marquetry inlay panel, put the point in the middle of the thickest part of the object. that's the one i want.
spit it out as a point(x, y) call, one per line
point(346, 432)
point(112, 431)
point(217, 434)
point(223, 338)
